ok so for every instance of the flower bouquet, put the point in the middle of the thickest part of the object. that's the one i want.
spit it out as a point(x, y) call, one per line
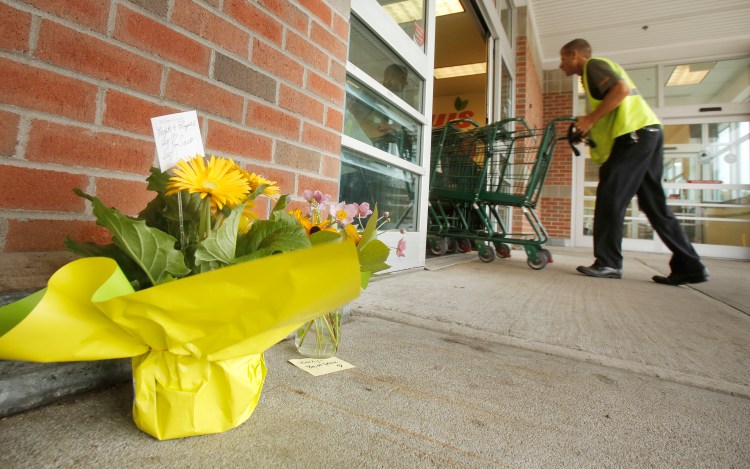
point(326, 221)
point(190, 289)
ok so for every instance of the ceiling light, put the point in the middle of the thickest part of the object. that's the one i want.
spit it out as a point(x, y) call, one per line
point(689, 74)
point(412, 10)
point(461, 70)
point(448, 7)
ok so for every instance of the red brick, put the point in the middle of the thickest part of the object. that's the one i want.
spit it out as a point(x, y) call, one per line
point(293, 156)
point(301, 47)
point(334, 119)
point(204, 95)
point(127, 112)
point(300, 103)
point(34, 88)
point(8, 132)
point(341, 27)
point(77, 51)
point(277, 63)
point(321, 138)
point(151, 36)
point(255, 19)
point(326, 89)
point(272, 120)
point(337, 72)
point(92, 14)
point(49, 235)
point(328, 41)
point(319, 9)
point(235, 141)
point(129, 197)
point(207, 25)
point(79, 147)
point(38, 189)
point(317, 184)
point(331, 167)
point(288, 13)
point(14, 29)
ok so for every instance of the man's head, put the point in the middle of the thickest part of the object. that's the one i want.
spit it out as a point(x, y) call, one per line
point(394, 77)
point(574, 55)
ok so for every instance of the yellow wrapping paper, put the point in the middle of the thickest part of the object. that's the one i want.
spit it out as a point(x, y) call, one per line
point(197, 342)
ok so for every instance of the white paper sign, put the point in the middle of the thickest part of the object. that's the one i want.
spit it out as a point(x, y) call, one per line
point(320, 366)
point(178, 137)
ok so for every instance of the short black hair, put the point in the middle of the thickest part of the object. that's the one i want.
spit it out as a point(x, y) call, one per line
point(580, 45)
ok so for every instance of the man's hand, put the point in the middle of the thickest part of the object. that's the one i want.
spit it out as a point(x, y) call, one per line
point(584, 124)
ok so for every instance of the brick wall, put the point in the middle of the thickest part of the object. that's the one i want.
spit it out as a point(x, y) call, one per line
point(540, 97)
point(79, 82)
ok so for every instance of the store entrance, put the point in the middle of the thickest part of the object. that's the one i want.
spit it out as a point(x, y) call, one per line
point(461, 64)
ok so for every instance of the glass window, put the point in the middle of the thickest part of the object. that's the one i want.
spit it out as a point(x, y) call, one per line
point(374, 121)
point(506, 93)
point(505, 9)
point(409, 15)
point(394, 190)
point(373, 57)
point(724, 81)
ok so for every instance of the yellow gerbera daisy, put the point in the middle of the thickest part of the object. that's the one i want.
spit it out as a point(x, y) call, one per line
point(247, 218)
point(256, 180)
point(219, 179)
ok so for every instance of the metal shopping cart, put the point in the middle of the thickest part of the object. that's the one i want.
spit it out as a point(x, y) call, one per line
point(482, 176)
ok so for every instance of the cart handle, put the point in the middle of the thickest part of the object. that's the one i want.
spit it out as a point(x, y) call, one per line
point(575, 136)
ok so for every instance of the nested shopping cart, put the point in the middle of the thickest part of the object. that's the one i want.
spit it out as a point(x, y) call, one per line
point(479, 176)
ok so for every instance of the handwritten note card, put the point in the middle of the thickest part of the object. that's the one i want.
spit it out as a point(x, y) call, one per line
point(320, 366)
point(178, 137)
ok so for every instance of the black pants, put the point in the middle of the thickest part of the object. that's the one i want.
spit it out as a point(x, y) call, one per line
point(635, 168)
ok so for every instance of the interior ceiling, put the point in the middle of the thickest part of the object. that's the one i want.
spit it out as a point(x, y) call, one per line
point(631, 32)
point(643, 31)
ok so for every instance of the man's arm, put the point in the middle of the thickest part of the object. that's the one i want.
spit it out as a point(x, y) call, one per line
point(615, 95)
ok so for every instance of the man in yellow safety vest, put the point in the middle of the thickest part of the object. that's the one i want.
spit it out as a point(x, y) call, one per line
point(628, 142)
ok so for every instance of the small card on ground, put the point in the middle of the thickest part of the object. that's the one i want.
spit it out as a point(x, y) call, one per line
point(320, 366)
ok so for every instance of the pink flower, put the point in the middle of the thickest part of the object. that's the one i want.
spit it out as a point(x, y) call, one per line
point(364, 209)
point(316, 196)
point(401, 247)
point(343, 213)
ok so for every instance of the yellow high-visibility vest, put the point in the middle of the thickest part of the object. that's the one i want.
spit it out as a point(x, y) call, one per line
point(632, 114)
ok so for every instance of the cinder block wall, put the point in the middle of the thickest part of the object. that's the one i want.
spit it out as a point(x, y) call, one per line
point(79, 82)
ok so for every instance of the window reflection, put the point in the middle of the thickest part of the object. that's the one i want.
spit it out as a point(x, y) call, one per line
point(506, 93)
point(374, 121)
point(371, 56)
point(409, 15)
point(392, 189)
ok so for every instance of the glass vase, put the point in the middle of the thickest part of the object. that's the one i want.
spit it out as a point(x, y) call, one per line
point(320, 338)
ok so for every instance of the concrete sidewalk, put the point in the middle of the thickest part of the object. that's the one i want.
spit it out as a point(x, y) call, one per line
point(472, 365)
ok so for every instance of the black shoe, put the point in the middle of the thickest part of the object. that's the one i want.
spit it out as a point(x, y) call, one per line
point(599, 271)
point(681, 279)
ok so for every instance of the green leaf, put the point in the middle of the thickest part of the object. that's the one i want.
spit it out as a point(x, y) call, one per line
point(132, 271)
point(280, 206)
point(218, 249)
point(370, 233)
point(152, 249)
point(323, 236)
point(372, 256)
point(460, 104)
point(272, 236)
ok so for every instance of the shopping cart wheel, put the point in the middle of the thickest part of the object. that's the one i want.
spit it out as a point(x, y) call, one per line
point(464, 245)
point(438, 246)
point(537, 261)
point(503, 250)
point(547, 254)
point(451, 245)
point(486, 253)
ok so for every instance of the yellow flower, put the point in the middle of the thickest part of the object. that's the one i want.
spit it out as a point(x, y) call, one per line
point(353, 234)
point(311, 227)
point(247, 218)
point(256, 180)
point(219, 180)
